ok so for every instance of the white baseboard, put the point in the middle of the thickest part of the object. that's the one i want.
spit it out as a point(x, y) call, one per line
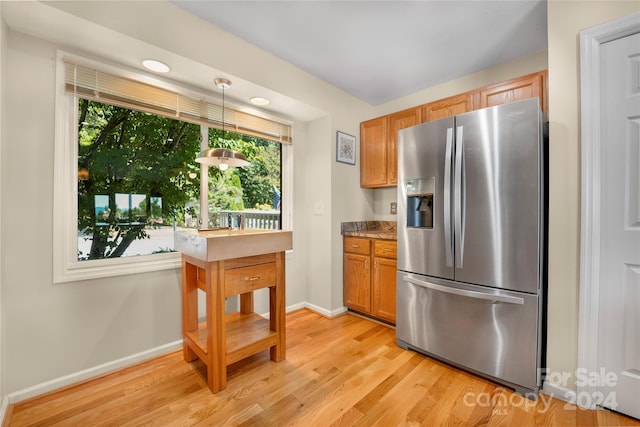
point(76, 377)
point(325, 312)
point(295, 307)
point(311, 307)
point(559, 392)
point(3, 409)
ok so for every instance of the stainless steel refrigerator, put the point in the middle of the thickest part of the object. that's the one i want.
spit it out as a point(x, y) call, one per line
point(471, 231)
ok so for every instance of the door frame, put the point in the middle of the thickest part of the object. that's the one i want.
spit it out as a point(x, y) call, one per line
point(591, 142)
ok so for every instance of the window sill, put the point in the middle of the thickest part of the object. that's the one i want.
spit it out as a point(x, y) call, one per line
point(87, 270)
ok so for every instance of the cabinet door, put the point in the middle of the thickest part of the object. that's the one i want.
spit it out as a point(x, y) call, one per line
point(524, 87)
point(357, 282)
point(384, 289)
point(397, 121)
point(448, 107)
point(373, 152)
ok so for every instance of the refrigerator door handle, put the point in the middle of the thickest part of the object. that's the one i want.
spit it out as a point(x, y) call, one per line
point(459, 197)
point(463, 292)
point(448, 252)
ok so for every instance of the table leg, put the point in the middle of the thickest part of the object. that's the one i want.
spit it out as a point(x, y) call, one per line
point(189, 306)
point(216, 341)
point(277, 311)
point(246, 303)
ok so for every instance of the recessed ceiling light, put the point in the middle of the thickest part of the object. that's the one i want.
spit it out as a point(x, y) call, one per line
point(258, 100)
point(155, 66)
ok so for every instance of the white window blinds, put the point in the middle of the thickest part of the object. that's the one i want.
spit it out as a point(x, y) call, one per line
point(92, 84)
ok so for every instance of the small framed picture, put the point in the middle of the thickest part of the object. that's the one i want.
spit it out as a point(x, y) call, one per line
point(345, 148)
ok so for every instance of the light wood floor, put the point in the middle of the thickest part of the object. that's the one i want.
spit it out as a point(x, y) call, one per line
point(345, 371)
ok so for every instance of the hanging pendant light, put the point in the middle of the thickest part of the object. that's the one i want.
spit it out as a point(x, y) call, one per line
point(222, 157)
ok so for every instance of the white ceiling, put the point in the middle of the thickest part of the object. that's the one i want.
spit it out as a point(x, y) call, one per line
point(379, 51)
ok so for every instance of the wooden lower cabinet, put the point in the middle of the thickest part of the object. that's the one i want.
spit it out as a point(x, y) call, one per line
point(370, 277)
point(383, 299)
point(357, 273)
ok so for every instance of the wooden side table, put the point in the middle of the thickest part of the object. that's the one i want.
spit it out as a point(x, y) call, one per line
point(225, 339)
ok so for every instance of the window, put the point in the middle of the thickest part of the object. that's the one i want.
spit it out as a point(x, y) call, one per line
point(136, 177)
point(136, 182)
point(254, 191)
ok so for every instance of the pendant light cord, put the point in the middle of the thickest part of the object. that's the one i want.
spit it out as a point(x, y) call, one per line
point(223, 138)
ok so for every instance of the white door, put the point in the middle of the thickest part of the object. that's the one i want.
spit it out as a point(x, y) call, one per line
point(619, 307)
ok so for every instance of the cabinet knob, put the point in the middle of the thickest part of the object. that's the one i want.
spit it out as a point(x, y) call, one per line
point(355, 246)
point(251, 279)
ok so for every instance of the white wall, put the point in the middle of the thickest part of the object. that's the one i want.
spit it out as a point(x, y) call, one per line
point(564, 147)
point(3, 61)
point(51, 331)
point(296, 261)
point(56, 330)
point(317, 182)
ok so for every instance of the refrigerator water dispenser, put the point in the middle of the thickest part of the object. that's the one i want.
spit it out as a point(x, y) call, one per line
point(420, 202)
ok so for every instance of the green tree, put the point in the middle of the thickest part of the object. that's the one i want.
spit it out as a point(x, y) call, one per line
point(128, 152)
point(260, 178)
point(225, 192)
point(131, 152)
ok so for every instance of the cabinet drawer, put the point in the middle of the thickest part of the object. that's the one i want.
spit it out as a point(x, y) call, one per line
point(357, 245)
point(385, 248)
point(247, 279)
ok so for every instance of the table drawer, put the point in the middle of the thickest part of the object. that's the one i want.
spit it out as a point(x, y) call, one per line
point(248, 279)
point(249, 261)
point(357, 245)
point(385, 248)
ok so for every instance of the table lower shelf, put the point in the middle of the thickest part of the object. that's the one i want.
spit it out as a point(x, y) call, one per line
point(246, 334)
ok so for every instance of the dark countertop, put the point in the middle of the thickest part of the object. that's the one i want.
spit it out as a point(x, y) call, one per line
point(370, 229)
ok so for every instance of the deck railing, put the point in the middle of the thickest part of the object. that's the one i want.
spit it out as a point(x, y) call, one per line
point(252, 219)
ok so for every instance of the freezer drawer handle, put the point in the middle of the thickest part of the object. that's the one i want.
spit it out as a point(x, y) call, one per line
point(464, 292)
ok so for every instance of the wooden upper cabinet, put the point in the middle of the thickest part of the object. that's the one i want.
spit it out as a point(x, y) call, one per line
point(379, 137)
point(397, 121)
point(448, 106)
point(373, 152)
point(524, 87)
point(379, 147)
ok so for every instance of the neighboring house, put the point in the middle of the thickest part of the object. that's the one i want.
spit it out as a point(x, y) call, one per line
point(52, 334)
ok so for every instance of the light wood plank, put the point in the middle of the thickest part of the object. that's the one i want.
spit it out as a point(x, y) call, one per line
point(345, 371)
